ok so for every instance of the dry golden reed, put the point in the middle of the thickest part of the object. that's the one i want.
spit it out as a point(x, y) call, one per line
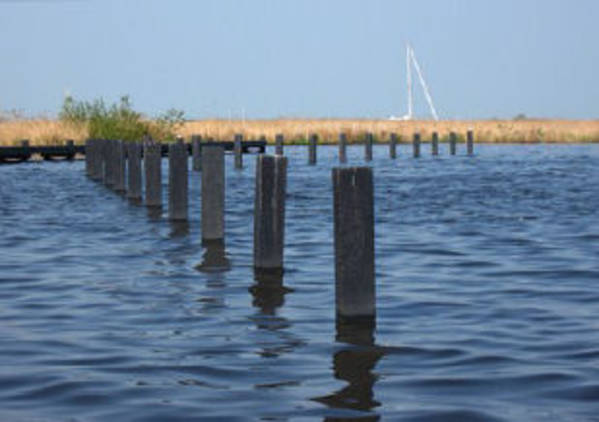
point(40, 132)
point(297, 130)
point(493, 131)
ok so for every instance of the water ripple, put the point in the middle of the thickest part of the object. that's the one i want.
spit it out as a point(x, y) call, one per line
point(486, 292)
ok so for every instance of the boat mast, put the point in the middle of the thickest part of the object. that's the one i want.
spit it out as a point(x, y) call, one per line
point(409, 54)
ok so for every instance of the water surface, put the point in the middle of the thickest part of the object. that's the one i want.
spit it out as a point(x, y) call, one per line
point(487, 293)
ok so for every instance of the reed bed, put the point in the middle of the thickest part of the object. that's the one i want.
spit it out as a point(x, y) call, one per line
point(491, 131)
point(49, 132)
point(40, 132)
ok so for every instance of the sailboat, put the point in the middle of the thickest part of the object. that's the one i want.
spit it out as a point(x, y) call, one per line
point(412, 62)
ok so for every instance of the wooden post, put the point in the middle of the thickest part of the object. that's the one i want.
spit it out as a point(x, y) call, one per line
point(213, 192)
point(89, 167)
point(279, 140)
point(71, 149)
point(153, 173)
point(342, 148)
point(313, 141)
point(91, 158)
point(354, 243)
point(452, 143)
point(470, 142)
point(177, 181)
point(368, 146)
point(120, 185)
point(106, 162)
point(435, 143)
point(416, 145)
point(134, 171)
point(269, 212)
point(393, 146)
point(238, 149)
point(196, 153)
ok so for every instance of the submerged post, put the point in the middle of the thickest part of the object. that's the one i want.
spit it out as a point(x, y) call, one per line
point(196, 152)
point(269, 212)
point(213, 192)
point(416, 145)
point(342, 148)
point(354, 243)
point(120, 161)
point(134, 174)
point(153, 173)
point(279, 139)
point(452, 143)
point(177, 181)
point(435, 143)
point(393, 146)
point(368, 146)
point(238, 150)
point(470, 142)
point(313, 141)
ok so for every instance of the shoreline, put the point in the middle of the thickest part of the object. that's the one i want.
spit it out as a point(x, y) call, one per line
point(296, 131)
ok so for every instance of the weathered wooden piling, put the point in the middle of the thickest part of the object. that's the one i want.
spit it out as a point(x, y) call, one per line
point(416, 145)
point(213, 192)
point(107, 176)
point(99, 160)
point(393, 146)
point(368, 141)
point(269, 212)
point(196, 152)
point(342, 148)
point(177, 182)
point(312, 143)
point(354, 243)
point(238, 150)
point(109, 162)
point(452, 143)
point(153, 173)
point(134, 170)
point(470, 142)
point(89, 155)
point(279, 140)
point(71, 149)
point(435, 143)
point(120, 160)
point(92, 159)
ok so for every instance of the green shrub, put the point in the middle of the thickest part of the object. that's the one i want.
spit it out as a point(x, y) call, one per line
point(119, 121)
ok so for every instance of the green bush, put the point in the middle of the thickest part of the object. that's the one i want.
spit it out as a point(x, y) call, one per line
point(119, 121)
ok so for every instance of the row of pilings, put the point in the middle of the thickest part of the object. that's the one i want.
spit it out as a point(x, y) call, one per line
point(125, 166)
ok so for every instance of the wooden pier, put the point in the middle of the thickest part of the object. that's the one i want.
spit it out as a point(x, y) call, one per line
point(24, 152)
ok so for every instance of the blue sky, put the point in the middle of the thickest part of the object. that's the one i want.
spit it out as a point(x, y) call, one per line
point(303, 58)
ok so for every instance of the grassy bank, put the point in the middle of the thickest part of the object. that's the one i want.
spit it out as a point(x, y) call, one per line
point(42, 132)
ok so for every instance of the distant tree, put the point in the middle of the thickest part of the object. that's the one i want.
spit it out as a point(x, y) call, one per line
point(520, 116)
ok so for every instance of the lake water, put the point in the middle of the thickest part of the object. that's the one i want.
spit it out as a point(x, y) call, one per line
point(487, 295)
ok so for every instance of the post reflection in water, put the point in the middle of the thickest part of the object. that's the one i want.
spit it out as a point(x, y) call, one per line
point(155, 213)
point(354, 364)
point(215, 257)
point(268, 293)
point(268, 296)
point(179, 229)
point(215, 263)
